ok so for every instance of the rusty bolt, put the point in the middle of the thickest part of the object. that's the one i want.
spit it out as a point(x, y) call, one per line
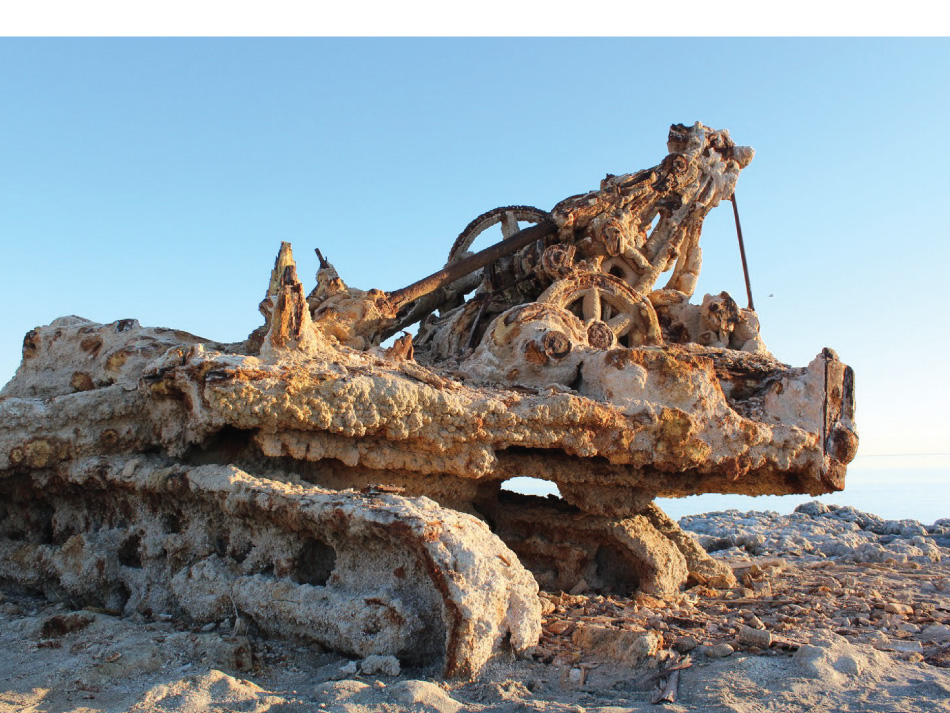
point(550, 345)
point(555, 344)
point(600, 336)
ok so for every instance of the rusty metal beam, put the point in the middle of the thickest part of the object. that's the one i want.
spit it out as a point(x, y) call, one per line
point(453, 272)
point(745, 266)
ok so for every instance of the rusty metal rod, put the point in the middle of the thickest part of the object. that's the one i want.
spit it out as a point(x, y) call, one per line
point(453, 272)
point(745, 265)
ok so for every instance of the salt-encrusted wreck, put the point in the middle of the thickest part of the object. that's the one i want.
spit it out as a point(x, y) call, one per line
point(148, 470)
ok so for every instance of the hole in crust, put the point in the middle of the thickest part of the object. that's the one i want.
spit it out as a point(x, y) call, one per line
point(527, 485)
point(129, 555)
point(615, 571)
point(117, 598)
point(314, 563)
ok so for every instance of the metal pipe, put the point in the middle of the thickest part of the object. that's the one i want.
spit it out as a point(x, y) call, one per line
point(745, 265)
point(453, 272)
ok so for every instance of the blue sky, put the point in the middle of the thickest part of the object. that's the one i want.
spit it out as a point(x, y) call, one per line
point(155, 179)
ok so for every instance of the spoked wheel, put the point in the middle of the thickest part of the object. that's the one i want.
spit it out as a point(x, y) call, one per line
point(507, 216)
point(614, 312)
point(622, 268)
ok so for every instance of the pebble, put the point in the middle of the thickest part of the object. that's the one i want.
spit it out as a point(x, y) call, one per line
point(755, 637)
point(937, 633)
point(719, 651)
point(685, 644)
point(422, 695)
point(561, 626)
point(375, 665)
point(580, 587)
point(902, 646)
point(898, 608)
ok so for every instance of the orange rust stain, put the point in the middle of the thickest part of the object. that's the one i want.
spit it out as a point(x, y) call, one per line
point(115, 360)
point(675, 425)
point(91, 345)
point(432, 531)
point(31, 344)
point(533, 353)
point(39, 453)
point(81, 381)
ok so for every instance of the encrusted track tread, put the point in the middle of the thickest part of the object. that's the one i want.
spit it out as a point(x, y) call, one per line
point(361, 573)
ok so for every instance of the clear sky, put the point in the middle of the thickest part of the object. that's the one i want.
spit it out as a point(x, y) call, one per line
point(155, 179)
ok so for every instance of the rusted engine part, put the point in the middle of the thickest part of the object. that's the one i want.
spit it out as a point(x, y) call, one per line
point(675, 420)
point(646, 552)
point(839, 438)
point(359, 573)
point(606, 262)
point(611, 554)
point(717, 322)
point(672, 421)
point(567, 549)
point(610, 232)
point(615, 225)
point(543, 347)
point(101, 355)
point(354, 318)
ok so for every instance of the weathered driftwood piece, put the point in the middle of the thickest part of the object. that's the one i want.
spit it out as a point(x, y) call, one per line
point(666, 691)
point(134, 463)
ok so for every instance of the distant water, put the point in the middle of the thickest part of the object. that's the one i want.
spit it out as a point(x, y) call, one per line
point(894, 487)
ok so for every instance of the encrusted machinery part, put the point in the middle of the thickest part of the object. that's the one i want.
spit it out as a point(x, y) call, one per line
point(569, 549)
point(674, 420)
point(108, 496)
point(507, 216)
point(612, 311)
point(447, 297)
point(565, 365)
point(361, 573)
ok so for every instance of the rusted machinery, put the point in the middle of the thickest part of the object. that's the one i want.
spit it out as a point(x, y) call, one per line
point(145, 468)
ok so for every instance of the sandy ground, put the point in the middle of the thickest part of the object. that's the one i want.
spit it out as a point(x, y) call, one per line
point(832, 636)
